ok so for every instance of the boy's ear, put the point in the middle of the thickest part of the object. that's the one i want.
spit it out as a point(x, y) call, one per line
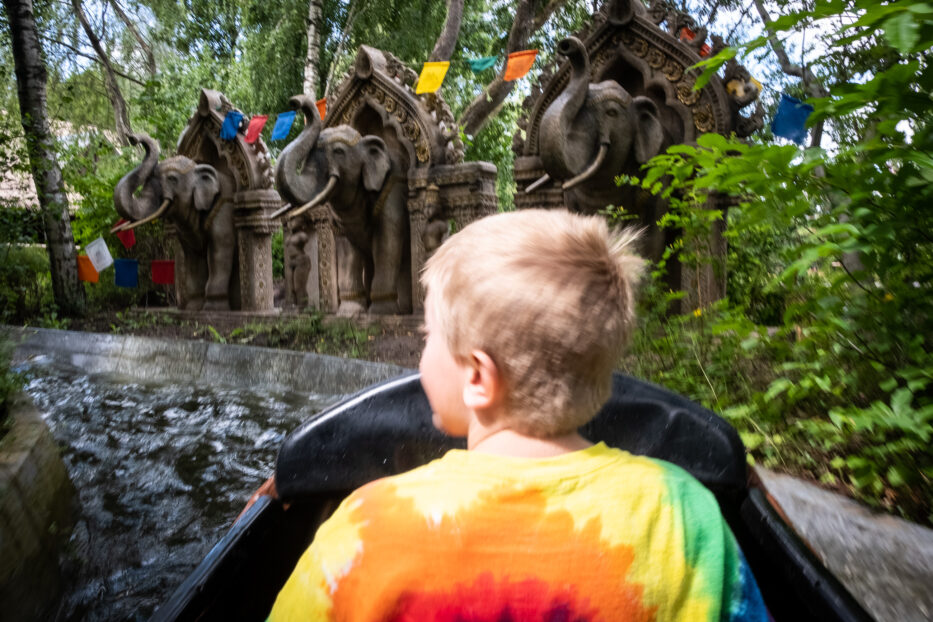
point(483, 387)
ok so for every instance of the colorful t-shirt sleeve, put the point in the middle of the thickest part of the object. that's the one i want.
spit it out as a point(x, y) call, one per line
point(307, 593)
point(742, 600)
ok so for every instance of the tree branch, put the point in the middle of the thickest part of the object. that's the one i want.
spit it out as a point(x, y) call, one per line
point(120, 112)
point(447, 40)
point(90, 57)
point(352, 12)
point(147, 49)
point(484, 105)
point(811, 82)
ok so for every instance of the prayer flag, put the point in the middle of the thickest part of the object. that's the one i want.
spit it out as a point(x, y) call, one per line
point(791, 119)
point(126, 272)
point(686, 33)
point(99, 254)
point(231, 124)
point(482, 64)
point(255, 127)
point(519, 64)
point(705, 50)
point(127, 238)
point(163, 271)
point(283, 125)
point(432, 75)
point(86, 271)
point(321, 107)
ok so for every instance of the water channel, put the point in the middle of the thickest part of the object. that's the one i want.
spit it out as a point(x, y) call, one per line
point(161, 471)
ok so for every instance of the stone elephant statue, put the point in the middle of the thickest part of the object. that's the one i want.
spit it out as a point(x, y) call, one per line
point(367, 189)
point(590, 134)
point(189, 196)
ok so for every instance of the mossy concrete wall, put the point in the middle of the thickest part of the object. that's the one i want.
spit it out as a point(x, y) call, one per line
point(36, 512)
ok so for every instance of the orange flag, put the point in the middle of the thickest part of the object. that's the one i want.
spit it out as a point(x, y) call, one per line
point(519, 64)
point(322, 107)
point(86, 271)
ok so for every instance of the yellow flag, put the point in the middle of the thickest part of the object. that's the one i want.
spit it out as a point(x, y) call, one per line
point(432, 75)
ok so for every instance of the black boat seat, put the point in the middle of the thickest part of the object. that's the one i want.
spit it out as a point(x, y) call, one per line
point(387, 430)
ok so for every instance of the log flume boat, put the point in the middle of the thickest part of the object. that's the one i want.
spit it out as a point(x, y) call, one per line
point(386, 429)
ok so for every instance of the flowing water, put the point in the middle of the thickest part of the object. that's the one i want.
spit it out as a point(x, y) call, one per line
point(161, 471)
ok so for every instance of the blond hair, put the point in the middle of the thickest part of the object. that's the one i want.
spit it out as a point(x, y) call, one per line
point(549, 296)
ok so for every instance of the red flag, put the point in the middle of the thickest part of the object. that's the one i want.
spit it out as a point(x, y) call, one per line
point(86, 270)
point(322, 107)
point(163, 271)
point(127, 238)
point(255, 127)
point(519, 64)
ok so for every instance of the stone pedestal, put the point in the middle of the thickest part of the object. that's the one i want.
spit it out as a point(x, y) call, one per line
point(254, 241)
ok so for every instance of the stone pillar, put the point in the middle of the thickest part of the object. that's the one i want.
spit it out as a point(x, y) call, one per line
point(459, 192)
point(254, 239)
point(325, 234)
point(178, 255)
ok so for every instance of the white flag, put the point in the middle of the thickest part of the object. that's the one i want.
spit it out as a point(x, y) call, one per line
point(99, 254)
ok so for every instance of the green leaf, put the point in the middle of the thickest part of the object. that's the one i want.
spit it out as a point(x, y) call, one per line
point(903, 32)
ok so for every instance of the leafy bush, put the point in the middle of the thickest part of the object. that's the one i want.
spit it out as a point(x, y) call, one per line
point(25, 283)
point(842, 387)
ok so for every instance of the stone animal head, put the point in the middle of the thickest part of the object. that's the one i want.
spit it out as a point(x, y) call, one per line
point(592, 132)
point(335, 164)
point(177, 186)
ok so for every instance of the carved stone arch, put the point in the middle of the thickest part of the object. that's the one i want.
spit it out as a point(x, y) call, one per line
point(422, 124)
point(253, 196)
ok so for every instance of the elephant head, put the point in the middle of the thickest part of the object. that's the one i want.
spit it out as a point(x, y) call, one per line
point(593, 132)
point(177, 187)
point(336, 164)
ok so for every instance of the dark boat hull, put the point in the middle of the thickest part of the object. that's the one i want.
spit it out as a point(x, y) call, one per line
point(387, 429)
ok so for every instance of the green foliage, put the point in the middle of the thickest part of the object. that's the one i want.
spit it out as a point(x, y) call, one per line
point(311, 333)
point(842, 387)
point(25, 284)
point(278, 255)
point(10, 381)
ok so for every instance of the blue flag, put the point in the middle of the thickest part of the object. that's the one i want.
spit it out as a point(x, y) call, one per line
point(231, 125)
point(283, 124)
point(791, 119)
point(126, 272)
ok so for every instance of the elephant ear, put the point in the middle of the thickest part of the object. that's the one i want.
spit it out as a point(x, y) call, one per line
point(206, 187)
point(376, 163)
point(649, 134)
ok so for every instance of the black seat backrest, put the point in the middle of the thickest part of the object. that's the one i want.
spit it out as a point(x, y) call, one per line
point(387, 429)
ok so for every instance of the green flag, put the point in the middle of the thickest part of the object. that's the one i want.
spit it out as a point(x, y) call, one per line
point(482, 64)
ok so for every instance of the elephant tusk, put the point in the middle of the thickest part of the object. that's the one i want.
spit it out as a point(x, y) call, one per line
point(603, 150)
point(132, 225)
point(538, 183)
point(320, 198)
point(280, 211)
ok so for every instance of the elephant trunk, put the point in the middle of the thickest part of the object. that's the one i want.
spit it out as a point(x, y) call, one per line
point(574, 96)
point(554, 143)
point(135, 208)
point(296, 187)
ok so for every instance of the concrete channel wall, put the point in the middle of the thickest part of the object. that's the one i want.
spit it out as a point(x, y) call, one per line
point(36, 496)
point(143, 358)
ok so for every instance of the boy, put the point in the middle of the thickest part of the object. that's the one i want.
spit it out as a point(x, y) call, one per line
point(526, 315)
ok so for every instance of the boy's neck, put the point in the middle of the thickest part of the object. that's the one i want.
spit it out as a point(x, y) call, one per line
point(507, 442)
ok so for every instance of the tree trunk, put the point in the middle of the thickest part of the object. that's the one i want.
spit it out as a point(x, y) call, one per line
point(313, 58)
point(30, 86)
point(447, 40)
point(488, 101)
point(120, 111)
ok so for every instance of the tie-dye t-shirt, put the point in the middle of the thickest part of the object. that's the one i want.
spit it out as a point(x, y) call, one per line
point(597, 534)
